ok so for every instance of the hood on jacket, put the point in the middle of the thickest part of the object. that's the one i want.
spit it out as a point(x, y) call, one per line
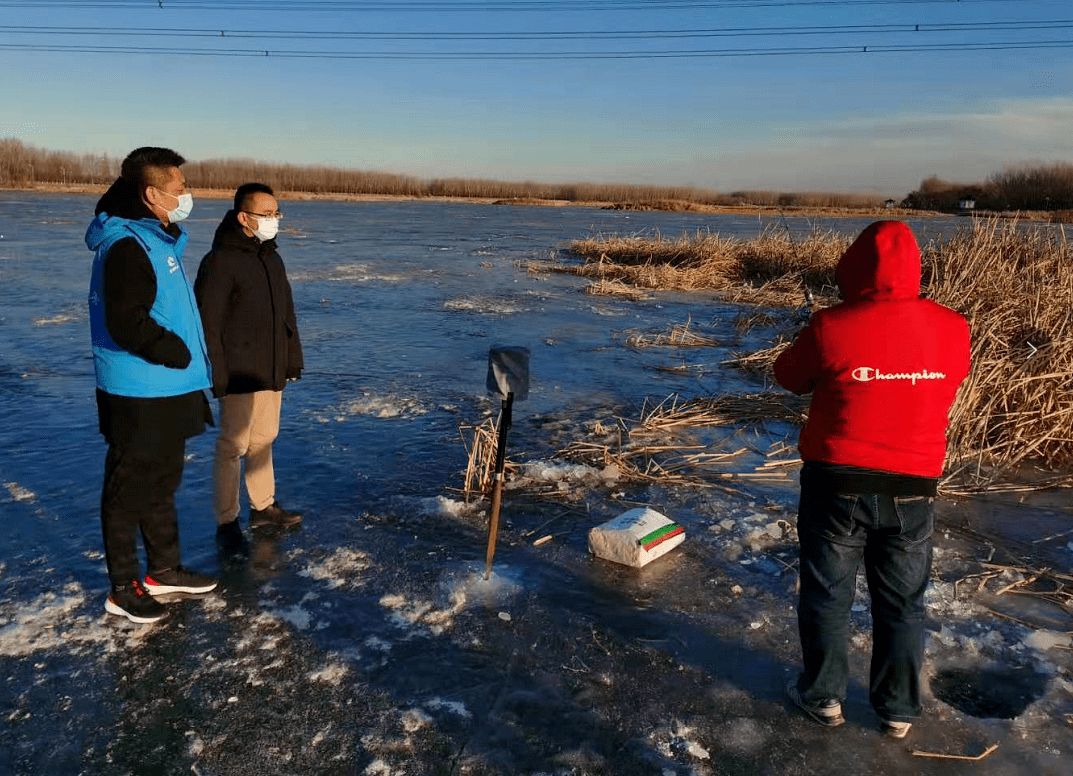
point(120, 203)
point(229, 234)
point(882, 263)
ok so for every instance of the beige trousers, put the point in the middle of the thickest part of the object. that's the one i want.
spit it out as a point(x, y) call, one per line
point(249, 423)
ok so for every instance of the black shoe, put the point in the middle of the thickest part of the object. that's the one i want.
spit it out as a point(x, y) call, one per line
point(230, 540)
point(178, 580)
point(273, 516)
point(134, 602)
point(828, 713)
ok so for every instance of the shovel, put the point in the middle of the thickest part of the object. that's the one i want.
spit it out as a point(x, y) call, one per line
point(508, 377)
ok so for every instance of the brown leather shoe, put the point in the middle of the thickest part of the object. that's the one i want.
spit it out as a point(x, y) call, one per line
point(274, 516)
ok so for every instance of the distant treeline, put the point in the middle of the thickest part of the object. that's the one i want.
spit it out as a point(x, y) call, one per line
point(26, 165)
point(1030, 188)
point(1043, 187)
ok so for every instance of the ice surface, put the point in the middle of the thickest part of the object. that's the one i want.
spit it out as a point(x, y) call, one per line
point(404, 667)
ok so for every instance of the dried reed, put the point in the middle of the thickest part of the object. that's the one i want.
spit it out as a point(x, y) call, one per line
point(773, 270)
point(480, 443)
point(1014, 283)
point(680, 335)
point(657, 446)
point(606, 287)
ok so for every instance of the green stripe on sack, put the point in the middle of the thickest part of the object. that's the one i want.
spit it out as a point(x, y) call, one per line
point(659, 533)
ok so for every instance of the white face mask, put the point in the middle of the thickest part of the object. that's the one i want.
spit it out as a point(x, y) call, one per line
point(183, 209)
point(266, 229)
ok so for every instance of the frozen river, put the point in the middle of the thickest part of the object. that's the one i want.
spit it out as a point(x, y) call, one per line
point(364, 642)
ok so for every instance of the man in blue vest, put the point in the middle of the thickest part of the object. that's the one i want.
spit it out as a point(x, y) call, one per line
point(152, 370)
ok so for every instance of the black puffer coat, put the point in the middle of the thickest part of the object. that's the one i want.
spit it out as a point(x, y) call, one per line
point(248, 313)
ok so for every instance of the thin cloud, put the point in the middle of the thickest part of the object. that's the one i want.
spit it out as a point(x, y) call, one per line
point(896, 153)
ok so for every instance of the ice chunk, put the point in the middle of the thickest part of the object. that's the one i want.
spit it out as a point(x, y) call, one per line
point(1043, 640)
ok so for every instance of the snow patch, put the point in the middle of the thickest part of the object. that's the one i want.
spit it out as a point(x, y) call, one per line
point(34, 625)
point(50, 621)
point(386, 406)
point(339, 569)
point(19, 493)
point(378, 644)
point(483, 304)
point(346, 273)
point(415, 719)
point(59, 318)
point(678, 741)
point(423, 615)
point(442, 506)
point(380, 768)
point(451, 707)
point(564, 476)
point(417, 614)
point(333, 674)
point(295, 615)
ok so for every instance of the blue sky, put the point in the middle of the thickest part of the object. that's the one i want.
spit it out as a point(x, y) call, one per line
point(875, 122)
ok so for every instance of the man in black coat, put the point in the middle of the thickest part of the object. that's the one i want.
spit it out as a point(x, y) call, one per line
point(252, 337)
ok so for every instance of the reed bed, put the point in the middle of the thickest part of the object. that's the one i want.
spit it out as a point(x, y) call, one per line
point(1012, 425)
point(773, 270)
point(1015, 285)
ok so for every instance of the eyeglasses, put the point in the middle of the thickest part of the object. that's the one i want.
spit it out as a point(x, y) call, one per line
point(276, 214)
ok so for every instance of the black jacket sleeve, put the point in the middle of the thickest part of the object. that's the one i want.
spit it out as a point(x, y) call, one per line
point(129, 294)
point(213, 288)
point(295, 359)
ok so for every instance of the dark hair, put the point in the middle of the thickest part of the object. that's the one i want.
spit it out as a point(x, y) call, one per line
point(247, 190)
point(144, 166)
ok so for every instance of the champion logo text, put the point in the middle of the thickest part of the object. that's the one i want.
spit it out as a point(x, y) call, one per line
point(867, 374)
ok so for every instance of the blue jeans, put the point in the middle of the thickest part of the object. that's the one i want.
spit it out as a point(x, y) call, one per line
point(892, 535)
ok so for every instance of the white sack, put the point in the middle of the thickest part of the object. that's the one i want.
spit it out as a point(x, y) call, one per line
point(636, 538)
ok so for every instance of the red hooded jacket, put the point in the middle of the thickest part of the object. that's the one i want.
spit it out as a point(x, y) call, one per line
point(883, 366)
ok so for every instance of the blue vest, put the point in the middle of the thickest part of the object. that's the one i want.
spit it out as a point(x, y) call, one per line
point(119, 371)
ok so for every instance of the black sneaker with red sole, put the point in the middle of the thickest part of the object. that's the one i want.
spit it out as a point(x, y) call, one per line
point(134, 602)
point(178, 580)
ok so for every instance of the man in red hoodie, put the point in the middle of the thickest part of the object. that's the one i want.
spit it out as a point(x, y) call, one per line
point(883, 367)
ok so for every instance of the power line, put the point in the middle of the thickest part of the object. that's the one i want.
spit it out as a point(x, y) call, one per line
point(485, 6)
point(587, 35)
point(552, 55)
